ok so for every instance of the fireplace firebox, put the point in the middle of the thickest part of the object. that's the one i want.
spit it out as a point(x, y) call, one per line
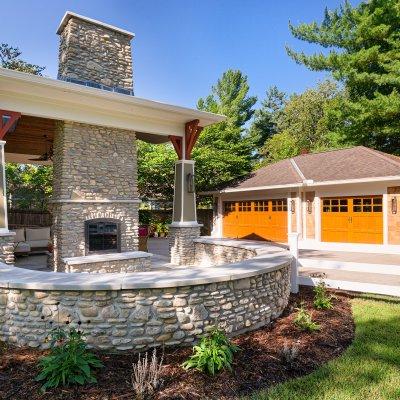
point(102, 236)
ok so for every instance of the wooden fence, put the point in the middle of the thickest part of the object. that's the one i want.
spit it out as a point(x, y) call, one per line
point(21, 218)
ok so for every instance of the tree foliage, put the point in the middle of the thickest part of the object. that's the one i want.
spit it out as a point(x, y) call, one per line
point(224, 151)
point(304, 123)
point(29, 186)
point(10, 58)
point(156, 171)
point(364, 55)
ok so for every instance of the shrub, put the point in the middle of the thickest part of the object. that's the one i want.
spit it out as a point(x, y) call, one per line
point(304, 320)
point(322, 300)
point(69, 361)
point(213, 353)
point(146, 376)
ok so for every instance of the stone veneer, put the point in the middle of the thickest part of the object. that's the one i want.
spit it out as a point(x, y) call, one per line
point(211, 254)
point(7, 248)
point(136, 263)
point(95, 176)
point(181, 244)
point(139, 319)
point(93, 52)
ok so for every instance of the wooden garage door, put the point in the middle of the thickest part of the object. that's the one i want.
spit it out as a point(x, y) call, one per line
point(352, 219)
point(258, 220)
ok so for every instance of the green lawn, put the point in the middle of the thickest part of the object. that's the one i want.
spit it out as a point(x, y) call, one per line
point(368, 370)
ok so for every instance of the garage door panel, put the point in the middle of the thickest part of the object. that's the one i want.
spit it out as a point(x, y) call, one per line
point(258, 220)
point(352, 220)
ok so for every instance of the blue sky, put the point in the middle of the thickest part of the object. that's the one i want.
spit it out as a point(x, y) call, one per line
point(181, 46)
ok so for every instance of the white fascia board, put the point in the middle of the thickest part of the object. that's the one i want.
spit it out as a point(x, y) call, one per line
point(50, 98)
point(252, 189)
point(350, 181)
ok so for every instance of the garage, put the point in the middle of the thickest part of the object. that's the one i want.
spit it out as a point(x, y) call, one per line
point(258, 219)
point(352, 219)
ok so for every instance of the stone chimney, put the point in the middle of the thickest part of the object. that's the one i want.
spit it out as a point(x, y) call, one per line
point(94, 53)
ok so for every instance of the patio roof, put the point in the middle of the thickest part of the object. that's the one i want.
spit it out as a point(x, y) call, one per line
point(44, 97)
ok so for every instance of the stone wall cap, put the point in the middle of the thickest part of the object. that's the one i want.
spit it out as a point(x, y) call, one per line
point(97, 258)
point(69, 14)
point(19, 278)
point(257, 246)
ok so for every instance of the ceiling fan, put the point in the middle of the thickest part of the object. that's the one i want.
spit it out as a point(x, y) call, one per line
point(48, 154)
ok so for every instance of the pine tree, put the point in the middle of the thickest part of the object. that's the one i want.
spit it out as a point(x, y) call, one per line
point(364, 55)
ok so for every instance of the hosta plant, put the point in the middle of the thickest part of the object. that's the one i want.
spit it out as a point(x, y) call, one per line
point(303, 320)
point(214, 353)
point(69, 361)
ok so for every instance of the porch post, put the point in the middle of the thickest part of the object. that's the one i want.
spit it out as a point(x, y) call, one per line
point(294, 251)
point(184, 228)
point(6, 237)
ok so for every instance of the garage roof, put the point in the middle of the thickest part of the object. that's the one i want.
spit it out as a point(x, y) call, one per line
point(336, 166)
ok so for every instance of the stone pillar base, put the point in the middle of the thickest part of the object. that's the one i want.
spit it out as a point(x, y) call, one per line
point(7, 248)
point(181, 245)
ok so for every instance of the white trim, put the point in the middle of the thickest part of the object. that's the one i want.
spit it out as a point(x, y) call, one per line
point(309, 183)
point(95, 201)
point(69, 14)
point(291, 185)
point(385, 218)
point(310, 244)
point(338, 265)
point(317, 216)
point(359, 180)
point(3, 157)
point(295, 166)
point(352, 286)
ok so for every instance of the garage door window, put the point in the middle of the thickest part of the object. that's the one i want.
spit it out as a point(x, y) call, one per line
point(279, 205)
point(244, 205)
point(229, 207)
point(367, 204)
point(335, 205)
point(261, 206)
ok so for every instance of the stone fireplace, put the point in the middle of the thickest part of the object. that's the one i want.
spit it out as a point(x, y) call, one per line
point(95, 198)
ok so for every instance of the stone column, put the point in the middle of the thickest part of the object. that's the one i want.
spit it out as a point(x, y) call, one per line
point(6, 237)
point(184, 228)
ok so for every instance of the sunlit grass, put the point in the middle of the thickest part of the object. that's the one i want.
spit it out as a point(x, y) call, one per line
point(368, 370)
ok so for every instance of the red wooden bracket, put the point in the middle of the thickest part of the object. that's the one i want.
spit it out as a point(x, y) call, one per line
point(192, 132)
point(177, 143)
point(7, 121)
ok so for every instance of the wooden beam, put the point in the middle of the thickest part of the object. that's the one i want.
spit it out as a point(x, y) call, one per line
point(192, 133)
point(11, 118)
point(177, 143)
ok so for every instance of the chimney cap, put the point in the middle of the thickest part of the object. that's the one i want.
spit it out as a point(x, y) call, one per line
point(69, 14)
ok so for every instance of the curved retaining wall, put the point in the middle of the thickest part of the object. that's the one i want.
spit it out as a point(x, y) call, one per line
point(146, 309)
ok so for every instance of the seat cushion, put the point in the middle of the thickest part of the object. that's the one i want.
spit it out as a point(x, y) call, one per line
point(22, 247)
point(33, 234)
point(38, 243)
point(19, 235)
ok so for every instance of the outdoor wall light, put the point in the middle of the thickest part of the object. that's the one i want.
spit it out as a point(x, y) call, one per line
point(394, 205)
point(190, 183)
point(292, 206)
point(309, 207)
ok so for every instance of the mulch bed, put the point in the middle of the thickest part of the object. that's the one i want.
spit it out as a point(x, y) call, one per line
point(258, 365)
